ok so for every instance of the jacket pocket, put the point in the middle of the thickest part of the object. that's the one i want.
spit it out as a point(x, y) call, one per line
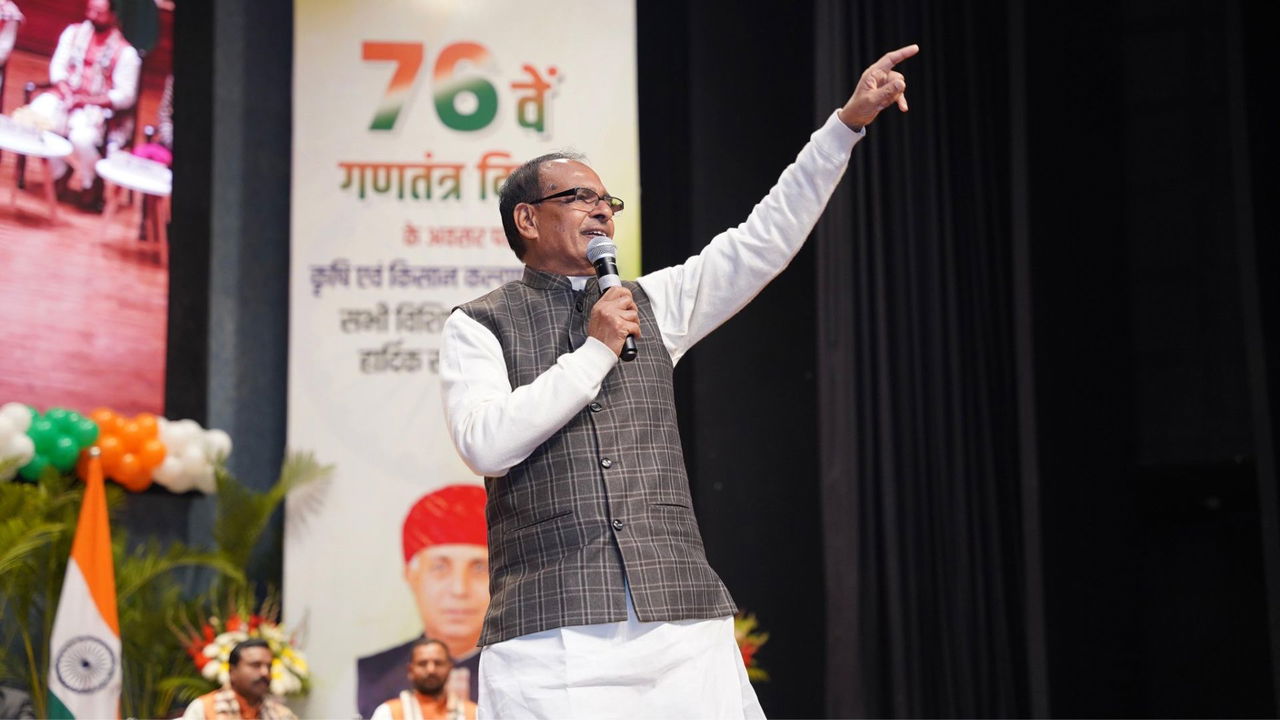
point(533, 524)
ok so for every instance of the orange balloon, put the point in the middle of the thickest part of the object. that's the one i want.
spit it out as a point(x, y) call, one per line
point(137, 478)
point(112, 450)
point(147, 425)
point(103, 417)
point(151, 454)
point(127, 469)
point(132, 437)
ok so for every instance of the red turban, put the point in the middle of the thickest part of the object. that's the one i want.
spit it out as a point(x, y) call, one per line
point(452, 514)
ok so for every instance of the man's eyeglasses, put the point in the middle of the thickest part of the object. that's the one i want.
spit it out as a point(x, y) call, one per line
point(586, 199)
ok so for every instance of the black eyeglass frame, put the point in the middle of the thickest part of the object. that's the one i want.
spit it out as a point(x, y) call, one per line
point(608, 199)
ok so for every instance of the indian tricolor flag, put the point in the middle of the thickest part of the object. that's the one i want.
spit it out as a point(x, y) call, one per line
point(84, 665)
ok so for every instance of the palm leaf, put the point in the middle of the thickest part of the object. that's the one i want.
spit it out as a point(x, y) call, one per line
point(243, 514)
point(184, 688)
point(298, 469)
point(134, 569)
point(8, 465)
point(36, 532)
point(19, 538)
point(37, 526)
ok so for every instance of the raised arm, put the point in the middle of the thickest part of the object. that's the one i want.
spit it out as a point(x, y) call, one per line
point(694, 298)
point(879, 87)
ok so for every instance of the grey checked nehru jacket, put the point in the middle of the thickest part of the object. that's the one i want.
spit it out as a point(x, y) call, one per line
point(605, 496)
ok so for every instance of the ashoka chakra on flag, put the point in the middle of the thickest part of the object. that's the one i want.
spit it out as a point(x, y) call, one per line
point(85, 664)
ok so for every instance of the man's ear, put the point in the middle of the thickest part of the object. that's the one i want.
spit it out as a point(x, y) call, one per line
point(526, 221)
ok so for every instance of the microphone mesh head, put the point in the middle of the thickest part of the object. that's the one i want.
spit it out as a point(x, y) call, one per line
point(600, 246)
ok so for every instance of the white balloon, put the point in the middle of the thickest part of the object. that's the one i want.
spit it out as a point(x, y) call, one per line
point(21, 447)
point(168, 471)
point(193, 461)
point(217, 444)
point(192, 458)
point(184, 432)
point(183, 484)
point(194, 468)
point(7, 428)
point(19, 414)
point(206, 482)
point(173, 444)
point(172, 475)
point(171, 437)
point(8, 455)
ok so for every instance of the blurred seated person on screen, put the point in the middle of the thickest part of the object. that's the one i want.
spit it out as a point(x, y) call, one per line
point(94, 68)
point(159, 147)
point(10, 19)
point(429, 699)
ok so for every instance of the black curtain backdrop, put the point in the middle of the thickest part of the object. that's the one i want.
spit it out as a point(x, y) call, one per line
point(1255, 158)
point(916, 347)
point(725, 105)
point(1150, 468)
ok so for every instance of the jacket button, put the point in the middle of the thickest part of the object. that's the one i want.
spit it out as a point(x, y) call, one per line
point(606, 463)
point(596, 407)
point(617, 524)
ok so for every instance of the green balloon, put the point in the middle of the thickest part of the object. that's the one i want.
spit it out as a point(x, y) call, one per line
point(43, 434)
point(74, 417)
point(64, 454)
point(31, 471)
point(84, 432)
point(57, 416)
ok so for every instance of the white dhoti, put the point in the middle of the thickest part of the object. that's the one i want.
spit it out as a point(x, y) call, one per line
point(84, 127)
point(632, 669)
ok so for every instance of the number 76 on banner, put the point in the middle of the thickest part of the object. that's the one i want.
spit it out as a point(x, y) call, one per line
point(464, 102)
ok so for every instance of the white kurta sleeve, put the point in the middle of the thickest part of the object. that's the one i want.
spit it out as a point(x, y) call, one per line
point(8, 33)
point(694, 298)
point(494, 427)
point(382, 712)
point(124, 79)
point(62, 55)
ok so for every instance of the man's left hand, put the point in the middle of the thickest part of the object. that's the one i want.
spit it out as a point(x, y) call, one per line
point(879, 87)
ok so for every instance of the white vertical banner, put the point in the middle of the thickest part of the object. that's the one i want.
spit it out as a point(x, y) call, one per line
point(407, 117)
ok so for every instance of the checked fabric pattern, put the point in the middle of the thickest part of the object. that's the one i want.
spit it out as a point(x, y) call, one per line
point(606, 497)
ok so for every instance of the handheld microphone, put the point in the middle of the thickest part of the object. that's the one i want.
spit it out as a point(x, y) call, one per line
point(603, 254)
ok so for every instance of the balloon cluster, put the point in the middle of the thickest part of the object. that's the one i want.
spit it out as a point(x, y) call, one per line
point(56, 437)
point(16, 447)
point(135, 451)
point(192, 454)
point(131, 447)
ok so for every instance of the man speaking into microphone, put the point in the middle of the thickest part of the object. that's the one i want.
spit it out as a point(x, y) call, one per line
point(602, 603)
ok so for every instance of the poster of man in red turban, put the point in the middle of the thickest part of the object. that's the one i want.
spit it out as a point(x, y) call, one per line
point(446, 565)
